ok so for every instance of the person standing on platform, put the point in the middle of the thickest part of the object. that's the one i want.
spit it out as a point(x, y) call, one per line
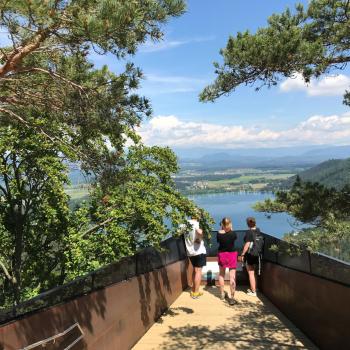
point(252, 242)
point(196, 253)
point(227, 258)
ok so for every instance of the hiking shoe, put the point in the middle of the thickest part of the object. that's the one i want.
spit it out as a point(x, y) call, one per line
point(195, 295)
point(251, 294)
point(232, 301)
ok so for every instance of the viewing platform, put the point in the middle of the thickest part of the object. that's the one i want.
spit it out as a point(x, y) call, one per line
point(143, 302)
point(210, 323)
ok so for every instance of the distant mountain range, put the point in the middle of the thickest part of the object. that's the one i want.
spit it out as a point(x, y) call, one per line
point(260, 158)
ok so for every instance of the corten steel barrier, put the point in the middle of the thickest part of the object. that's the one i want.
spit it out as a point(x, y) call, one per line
point(114, 306)
point(312, 290)
point(110, 308)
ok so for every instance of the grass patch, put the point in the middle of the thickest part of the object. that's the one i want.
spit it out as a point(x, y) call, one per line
point(246, 179)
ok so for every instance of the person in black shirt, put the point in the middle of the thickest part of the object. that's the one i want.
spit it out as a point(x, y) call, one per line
point(250, 260)
point(227, 258)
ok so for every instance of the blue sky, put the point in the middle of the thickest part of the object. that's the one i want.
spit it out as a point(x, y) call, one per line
point(177, 68)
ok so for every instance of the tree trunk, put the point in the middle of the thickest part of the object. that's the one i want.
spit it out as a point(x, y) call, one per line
point(18, 231)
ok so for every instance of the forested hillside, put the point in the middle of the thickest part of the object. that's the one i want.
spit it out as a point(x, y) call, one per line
point(332, 173)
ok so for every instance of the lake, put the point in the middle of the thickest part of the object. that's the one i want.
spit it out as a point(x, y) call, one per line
point(238, 206)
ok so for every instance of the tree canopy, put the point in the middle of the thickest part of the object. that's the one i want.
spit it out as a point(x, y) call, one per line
point(140, 207)
point(309, 41)
point(325, 210)
point(34, 213)
point(55, 107)
point(310, 202)
point(134, 204)
point(45, 68)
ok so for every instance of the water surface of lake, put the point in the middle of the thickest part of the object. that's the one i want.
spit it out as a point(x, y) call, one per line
point(238, 206)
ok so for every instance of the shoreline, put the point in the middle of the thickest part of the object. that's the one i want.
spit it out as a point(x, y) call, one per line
point(199, 193)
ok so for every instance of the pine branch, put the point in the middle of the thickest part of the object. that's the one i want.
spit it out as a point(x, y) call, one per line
point(17, 55)
point(96, 227)
point(14, 115)
point(53, 75)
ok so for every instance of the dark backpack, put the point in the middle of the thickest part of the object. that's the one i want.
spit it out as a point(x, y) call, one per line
point(258, 243)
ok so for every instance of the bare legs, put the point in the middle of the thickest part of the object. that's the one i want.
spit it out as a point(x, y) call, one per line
point(222, 280)
point(232, 281)
point(251, 274)
point(196, 277)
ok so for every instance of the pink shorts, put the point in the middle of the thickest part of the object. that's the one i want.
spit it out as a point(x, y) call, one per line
point(228, 259)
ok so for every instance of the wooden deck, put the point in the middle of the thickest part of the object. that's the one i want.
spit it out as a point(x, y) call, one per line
point(210, 323)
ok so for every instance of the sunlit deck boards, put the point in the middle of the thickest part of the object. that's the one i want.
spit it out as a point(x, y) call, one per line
point(209, 323)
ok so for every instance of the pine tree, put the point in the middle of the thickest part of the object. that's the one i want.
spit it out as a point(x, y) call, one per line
point(310, 41)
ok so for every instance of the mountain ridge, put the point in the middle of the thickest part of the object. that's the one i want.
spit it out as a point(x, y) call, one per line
point(264, 157)
point(333, 173)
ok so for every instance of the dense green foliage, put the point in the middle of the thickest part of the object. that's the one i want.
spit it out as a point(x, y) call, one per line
point(310, 41)
point(34, 213)
point(140, 211)
point(332, 238)
point(310, 202)
point(332, 173)
point(326, 209)
point(56, 107)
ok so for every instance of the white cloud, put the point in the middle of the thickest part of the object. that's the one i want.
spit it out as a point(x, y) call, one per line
point(171, 131)
point(153, 46)
point(155, 84)
point(327, 86)
point(175, 79)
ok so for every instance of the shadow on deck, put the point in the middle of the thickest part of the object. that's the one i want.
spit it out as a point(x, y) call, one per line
point(209, 323)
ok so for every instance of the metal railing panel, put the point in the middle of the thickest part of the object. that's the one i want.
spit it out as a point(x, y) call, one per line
point(146, 260)
point(53, 339)
point(330, 268)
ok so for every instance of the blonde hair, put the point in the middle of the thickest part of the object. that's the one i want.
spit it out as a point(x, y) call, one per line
point(226, 223)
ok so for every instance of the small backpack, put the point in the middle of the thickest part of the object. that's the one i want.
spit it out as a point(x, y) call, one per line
point(256, 247)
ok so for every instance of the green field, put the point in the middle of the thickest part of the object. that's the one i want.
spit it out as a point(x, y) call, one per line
point(77, 194)
point(233, 180)
point(209, 182)
point(244, 179)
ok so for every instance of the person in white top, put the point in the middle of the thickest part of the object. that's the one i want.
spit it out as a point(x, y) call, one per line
point(196, 252)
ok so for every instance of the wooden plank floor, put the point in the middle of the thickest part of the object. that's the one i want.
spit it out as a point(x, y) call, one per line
point(209, 323)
